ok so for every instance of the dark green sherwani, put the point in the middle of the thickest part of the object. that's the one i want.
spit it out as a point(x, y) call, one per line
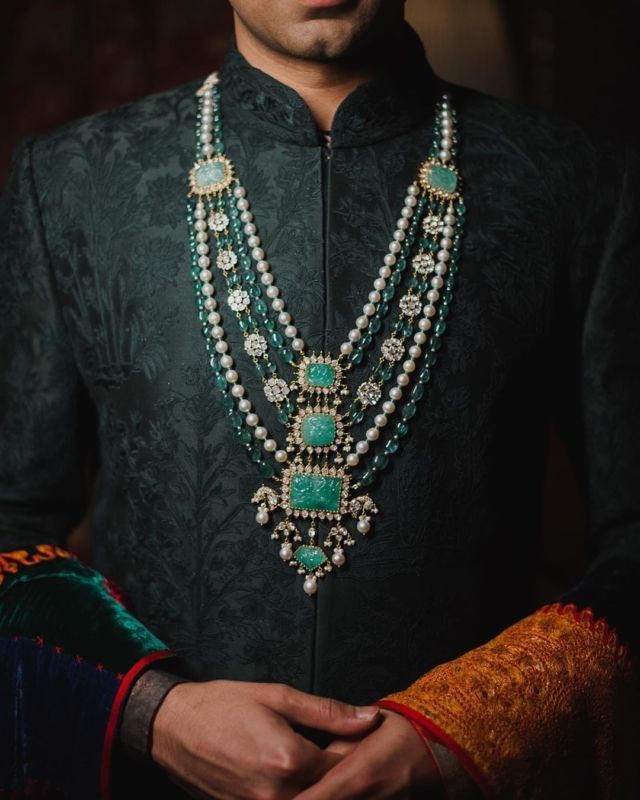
point(101, 340)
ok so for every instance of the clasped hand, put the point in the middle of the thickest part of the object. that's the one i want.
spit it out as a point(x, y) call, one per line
point(232, 740)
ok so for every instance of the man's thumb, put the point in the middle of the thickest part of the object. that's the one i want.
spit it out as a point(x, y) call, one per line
point(325, 713)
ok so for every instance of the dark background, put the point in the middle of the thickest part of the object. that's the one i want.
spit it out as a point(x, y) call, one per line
point(62, 59)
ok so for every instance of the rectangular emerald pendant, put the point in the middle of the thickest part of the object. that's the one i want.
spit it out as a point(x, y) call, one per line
point(315, 493)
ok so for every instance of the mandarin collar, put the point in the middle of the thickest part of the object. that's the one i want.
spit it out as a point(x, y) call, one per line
point(399, 98)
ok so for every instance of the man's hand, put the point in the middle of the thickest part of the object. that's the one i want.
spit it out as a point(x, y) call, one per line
point(390, 762)
point(230, 739)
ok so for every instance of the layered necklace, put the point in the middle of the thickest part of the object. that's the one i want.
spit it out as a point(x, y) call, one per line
point(316, 470)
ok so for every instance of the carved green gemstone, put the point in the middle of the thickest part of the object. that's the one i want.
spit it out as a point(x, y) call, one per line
point(318, 430)
point(209, 174)
point(310, 557)
point(315, 493)
point(321, 375)
point(442, 178)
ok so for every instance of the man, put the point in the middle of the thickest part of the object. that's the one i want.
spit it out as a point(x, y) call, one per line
point(325, 110)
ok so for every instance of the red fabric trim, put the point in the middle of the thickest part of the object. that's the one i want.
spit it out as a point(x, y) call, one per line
point(114, 716)
point(430, 727)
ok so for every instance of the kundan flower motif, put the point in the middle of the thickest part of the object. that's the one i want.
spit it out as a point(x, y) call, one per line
point(424, 263)
point(218, 221)
point(392, 349)
point(276, 389)
point(238, 300)
point(226, 260)
point(369, 393)
point(433, 225)
point(410, 305)
point(255, 345)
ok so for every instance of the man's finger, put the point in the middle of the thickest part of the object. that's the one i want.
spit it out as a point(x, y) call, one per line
point(337, 782)
point(323, 713)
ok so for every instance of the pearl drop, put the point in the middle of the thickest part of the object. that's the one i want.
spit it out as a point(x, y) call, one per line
point(338, 558)
point(226, 361)
point(262, 517)
point(231, 376)
point(409, 365)
point(270, 445)
point(281, 456)
point(402, 379)
point(380, 420)
point(244, 405)
point(388, 407)
point(424, 324)
point(310, 586)
point(389, 260)
point(395, 393)
point(346, 348)
point(415, 351)
point(278, 304)
point(354, 335)
point(363, 526)
point(395, 247)
point(260, 432)
point(362, 447)
point(257, 254)
point(353, 459)
point(291, 331)
point(252, 419)
point(372, 434)
point(297, 345)
point(286, 552)
point(380, 284)
point(362, 322)
point(419, 338)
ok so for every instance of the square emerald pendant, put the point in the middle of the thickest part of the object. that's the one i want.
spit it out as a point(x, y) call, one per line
point(318, 430)
point(442, 178)
point(320, 375)
point(315, 493)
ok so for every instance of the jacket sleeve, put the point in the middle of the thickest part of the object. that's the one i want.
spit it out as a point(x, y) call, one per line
point(549, 708)
point(69, 649)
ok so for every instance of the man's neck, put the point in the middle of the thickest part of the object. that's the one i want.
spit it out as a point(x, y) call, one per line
point(323, 86)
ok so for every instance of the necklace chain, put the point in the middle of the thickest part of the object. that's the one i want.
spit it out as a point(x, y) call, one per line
point(314, 468)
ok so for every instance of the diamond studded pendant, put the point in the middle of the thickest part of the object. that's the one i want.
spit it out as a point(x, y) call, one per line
point(315, 489)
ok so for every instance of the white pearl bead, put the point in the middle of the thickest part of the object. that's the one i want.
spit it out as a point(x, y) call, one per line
point(419, 338)
point(410, 201)
point(254, 242)
point(250, 230)
point(445, 142)
point(270, 445)
point(388, 407)
point(413, 189)
point(449, 218)
point(437, 282)
point(406, 212)
point(262, 517)
point(433, 295)
point(200, 212)
point(409, 365)
point(200, 225)
point(207, 150)
point(354, 335)
point(206, 289)
point(231, 376)
point(399, 235)
point(380, 420)
point(380, 284)
point(395, 393)
point(205, 275)
point(246, 216)
point(441, 268)
point(443, 255)
point(369, 309)
point(257, 254)
point(346, 348)
point(448, 231)
point(244, 405)
point(252, 419)
point(210, 303)
point(424, 324)
point(226, 361)
point(266, 279)
point(384, 272)
point(242, 204)
point(237, 390)
point(218, 333)
point(239, 191)
point(281, 456)
point(204, 262)
point(429, 311)
point(372, 434)
point(297, 345)
point(446, 243)
point(445, 156)
point(374, 297)
point(389, 260)
point(286, 552)
point(260, 432)
point(415, 351)
point(363, 526)
point(310, 586)
point(395, 247)
point(338, 558)
point(402, 379)
point(353, 459)
point(202, 236)
point(213, 318)
point(278, 304)
point(362, 447)
point(272, 292)
point(291, 331)
point(362, 322)
point(202, 249)
point(402, 224)
point(263, 266)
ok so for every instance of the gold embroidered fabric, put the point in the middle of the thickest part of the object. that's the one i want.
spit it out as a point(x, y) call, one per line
point(548, 709)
